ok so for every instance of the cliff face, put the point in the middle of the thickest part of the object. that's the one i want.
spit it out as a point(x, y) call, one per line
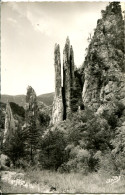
point(104, 66)
point(10, 125)
point(57, 112)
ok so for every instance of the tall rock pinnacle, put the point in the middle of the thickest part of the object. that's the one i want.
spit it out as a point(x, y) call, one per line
point(9, 123)
point(62, 105)
point(57, 112)
point(104, 66)
point(68, 76)
point(31, 103)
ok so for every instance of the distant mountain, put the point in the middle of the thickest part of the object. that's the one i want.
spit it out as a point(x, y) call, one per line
point(46, 98)
point(21, 99)
point(18, 99)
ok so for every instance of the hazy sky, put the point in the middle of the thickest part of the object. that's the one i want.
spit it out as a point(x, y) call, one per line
point(29, 32)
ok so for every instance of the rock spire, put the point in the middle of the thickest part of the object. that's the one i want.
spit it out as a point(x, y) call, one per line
point(63, 95)
point(31, 103)
point(57, 112)
point(68, 77)
point(9, 123)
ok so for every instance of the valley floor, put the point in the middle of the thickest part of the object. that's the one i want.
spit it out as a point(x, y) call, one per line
point(18, 181)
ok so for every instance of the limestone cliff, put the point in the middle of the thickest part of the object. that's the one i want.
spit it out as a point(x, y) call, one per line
point(10, 125)
point(57, 112)
point(104, 66)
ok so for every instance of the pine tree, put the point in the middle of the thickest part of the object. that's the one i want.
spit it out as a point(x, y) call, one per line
point(32, 135)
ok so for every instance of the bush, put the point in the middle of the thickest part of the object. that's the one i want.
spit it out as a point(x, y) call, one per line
point(52, 154)
point(119, 148)
point(22, 163)
point(14, 147)
point(106, 163)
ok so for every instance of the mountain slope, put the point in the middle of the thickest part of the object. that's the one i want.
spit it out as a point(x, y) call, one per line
point(18, 99)
point(21, 99)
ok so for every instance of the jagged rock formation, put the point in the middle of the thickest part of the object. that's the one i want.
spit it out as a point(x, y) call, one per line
point(58, 100)
point(63, 95)
point(68, 77)
point(10, 125)
point(104, 65)
point(103, 71)
point(31, 104)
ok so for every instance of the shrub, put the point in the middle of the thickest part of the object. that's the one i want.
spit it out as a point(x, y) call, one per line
point(106, 163)
point(14, 148)
point(119, 148)
point(52, 154)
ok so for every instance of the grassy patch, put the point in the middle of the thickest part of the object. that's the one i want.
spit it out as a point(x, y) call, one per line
point(76, 182)
point(66, 183)
point(7, 188)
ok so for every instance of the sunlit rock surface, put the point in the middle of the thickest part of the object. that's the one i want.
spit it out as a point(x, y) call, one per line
point(57, 112)
point(9, 123)
point(104, 65)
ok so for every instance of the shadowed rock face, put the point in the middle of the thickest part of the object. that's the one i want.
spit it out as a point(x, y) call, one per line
point(104, 65)
point(68, 77)
point(9, 123)
point(31, 103)
point(57, 112)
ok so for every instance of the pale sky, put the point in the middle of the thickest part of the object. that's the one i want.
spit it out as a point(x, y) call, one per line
point(29, 31)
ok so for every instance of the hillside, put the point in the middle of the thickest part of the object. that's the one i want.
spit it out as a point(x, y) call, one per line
point(20, 99)
point(46, 98)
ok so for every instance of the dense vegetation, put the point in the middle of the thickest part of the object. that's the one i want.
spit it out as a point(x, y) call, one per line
point(16, 109)
point(85, 143)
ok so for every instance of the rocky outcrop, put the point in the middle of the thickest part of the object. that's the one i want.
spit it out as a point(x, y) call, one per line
point(31, 104)
point(103, 72)
point(10, 125)
point(68, 77)
point(57, 112)
point(104, 65)
point(63, 95)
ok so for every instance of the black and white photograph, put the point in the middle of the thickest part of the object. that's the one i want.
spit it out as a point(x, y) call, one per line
point(62, 105)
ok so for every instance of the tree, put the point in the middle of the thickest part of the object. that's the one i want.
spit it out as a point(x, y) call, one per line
point(32, 136)
point(14, 148)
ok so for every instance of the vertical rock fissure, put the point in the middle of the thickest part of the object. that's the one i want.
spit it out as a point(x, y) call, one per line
point(64, 103)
